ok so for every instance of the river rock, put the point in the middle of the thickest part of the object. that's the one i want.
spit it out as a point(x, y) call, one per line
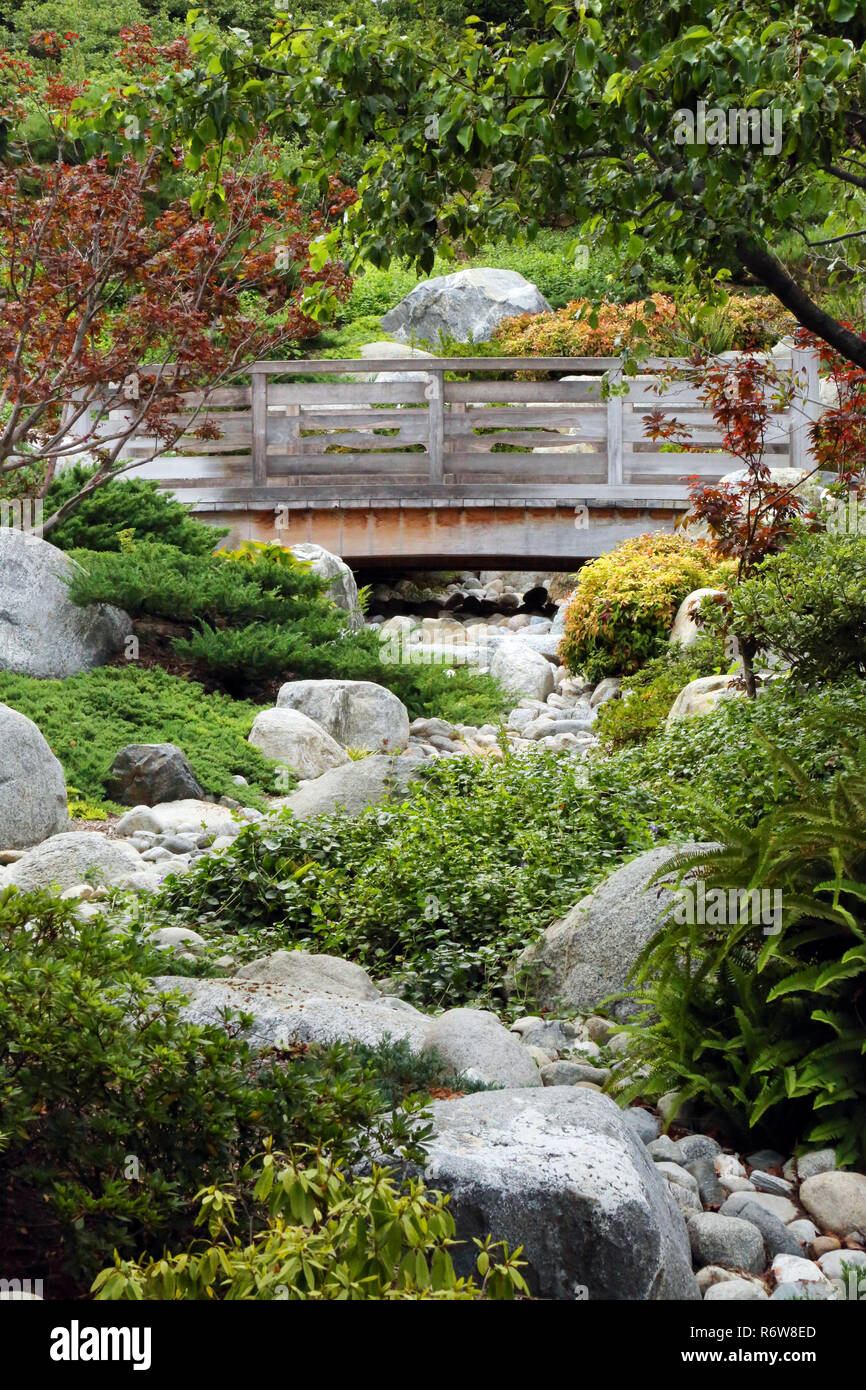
point(296, 742)
point(836, 1201)
point(78, 856)
point(521, 671)
point(557, 1171)
point(355, 786)
point(42, 633)
point(475, 1044)
point(32, 785)
point(144, 774)
point(357, 714)
point(465, 306)
point(588, 955)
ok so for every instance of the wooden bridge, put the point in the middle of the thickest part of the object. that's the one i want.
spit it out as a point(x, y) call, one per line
point(393, 460)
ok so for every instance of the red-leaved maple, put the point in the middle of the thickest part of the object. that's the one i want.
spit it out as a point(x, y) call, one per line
point(113, 303)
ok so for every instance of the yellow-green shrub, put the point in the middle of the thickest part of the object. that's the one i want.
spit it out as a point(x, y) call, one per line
point(625, 602)
point(319, 1234)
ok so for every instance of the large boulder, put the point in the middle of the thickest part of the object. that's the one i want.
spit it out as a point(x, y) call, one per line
point(685, 630)
point(32, 785)
point(358, 714)
point(145, 774)
point(307, 971)
point(296, 741)
point(522, 672)
point(465, 306)
point(355, 786)
point(701, 696)
point(589, 954)
point(79, 856)
point(288, 1012)
point(558, 1171)
point(42, 633)
point(341, 581)
point(474, 1043)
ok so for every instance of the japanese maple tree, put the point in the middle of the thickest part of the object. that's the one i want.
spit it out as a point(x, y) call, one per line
point(115, 302)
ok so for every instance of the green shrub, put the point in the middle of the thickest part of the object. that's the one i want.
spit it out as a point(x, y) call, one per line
point(720, 764)
point(648, 695)
point(135, 505)
point(258, 614)
point(622, 609)
point(318, 1233)
point(765, 1022)
point(116, 1111)
point(437, 893)
point(88, 718)
point(808, 605)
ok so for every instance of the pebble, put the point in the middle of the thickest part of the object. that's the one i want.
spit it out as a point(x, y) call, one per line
point(836, 1201)
point(686, 1200)
point(711, 1191)
point(804, 1230)
point(523, 1025)
point(569, 1073)
point(663, 1150)
point(834, 1262)
point(694, 1146)
point(782, 1207)
point(736, 1185)
point(768, 1182)
point(539, 1056)
point(675, 1174)
point(818, 1245)
point(154, 855)
point(599, 1029)
point(765, 1158)
point(810, 1165)
point(619, 1044)
point(643, 1122)
point(713, 1274)
point(778, 1239)
point(741, 1290)
point(728, 1166)
point(179, 844)
point(727, 1241)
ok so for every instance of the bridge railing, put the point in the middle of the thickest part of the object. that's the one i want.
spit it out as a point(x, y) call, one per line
point(397, 429)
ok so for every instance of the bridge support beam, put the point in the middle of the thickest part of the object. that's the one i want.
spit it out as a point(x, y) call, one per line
point(490, 534)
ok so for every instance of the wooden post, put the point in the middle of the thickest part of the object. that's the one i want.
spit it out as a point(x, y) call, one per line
point(805, 407)
point(259, 400)
point(614, 430)
point(436, 427)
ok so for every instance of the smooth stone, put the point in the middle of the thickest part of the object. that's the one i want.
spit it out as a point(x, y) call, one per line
point(736, 1290)
point(782, 1207)
point(836, 1201)
point(726, 1240)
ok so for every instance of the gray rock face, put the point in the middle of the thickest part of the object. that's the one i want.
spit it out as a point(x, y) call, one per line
point(726, 1241)
point(466, 306)
point(522, 672)
point(296, 741)
point(144, 774)
point(589, 954)
point(41, 632)
point(778, 1240)
point(355, 786)
point(32, 785)
point(474, 1043)
point(80, 856)
point(283, 1014)
point(557, 1171)
point(341, 581)
point(304, 970)
point(357, 714)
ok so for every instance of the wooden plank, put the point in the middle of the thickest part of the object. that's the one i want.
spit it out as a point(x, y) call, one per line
point(520, 391)
point(389, 494)
point(527, 417)
point(533, 439)
point(352, 418)
point(321, 365)
point(260, 430)
point(614, 432)
point(354, 463)
point(436, 428)
point(580, 467)
point(342, 393)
